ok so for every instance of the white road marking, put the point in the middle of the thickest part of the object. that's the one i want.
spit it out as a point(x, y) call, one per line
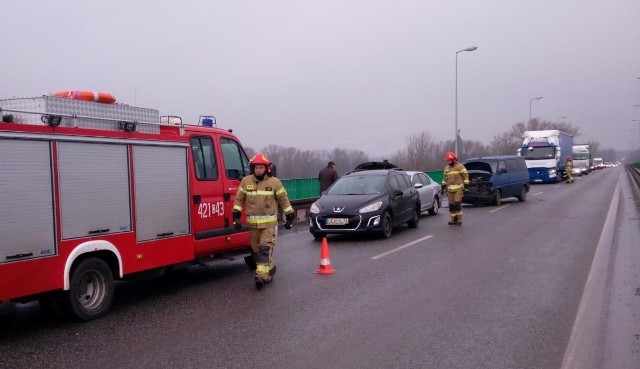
point(500, 208)
point(537, 193)
point(401, 247)
point(556, 186)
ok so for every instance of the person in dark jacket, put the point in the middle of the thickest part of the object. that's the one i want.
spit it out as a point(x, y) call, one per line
point(327, 176)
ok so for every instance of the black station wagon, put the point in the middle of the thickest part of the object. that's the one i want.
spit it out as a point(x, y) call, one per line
point(366, 200)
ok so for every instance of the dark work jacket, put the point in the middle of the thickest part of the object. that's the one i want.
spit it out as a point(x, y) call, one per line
point(327, 176)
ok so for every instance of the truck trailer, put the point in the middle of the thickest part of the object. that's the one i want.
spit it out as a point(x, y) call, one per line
point(545, 153)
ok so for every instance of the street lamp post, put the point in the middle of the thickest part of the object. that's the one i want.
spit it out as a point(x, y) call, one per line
point(530, 100)
point(455, 132)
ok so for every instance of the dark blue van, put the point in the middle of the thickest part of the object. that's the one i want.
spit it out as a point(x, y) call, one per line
point(494, 178)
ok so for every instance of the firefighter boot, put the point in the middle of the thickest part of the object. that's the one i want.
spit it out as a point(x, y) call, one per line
point(459, 222)
point(263, 275)
point(453, 221)
point(271, 273)
point(260, 283)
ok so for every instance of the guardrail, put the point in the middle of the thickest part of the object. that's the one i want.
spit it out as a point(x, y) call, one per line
point(634, 170)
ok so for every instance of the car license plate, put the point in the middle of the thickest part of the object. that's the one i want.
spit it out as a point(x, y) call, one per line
point(337, 221)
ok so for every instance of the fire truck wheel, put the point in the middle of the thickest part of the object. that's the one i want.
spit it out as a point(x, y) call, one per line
point(91, 291)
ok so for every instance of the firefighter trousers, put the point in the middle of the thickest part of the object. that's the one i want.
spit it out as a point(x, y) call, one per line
point(263, 240)
point(455, 205)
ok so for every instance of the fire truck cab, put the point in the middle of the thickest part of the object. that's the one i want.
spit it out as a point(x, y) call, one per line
point(92, 192)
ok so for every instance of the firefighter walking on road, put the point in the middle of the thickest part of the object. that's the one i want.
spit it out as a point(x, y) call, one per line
point(568, 168)
point(454, 179)
point(261, 194)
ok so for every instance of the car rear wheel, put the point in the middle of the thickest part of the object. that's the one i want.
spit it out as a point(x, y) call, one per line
point(497, 199)
point(415, 218)
point(523, 194)
point(436, 205)
point(387, 225)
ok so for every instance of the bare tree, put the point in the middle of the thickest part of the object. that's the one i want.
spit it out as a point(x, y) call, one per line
point(416, 154)
point(505, 144)
point(346, 160)
point(400, 158)
point(472, 149)
point(250, 151)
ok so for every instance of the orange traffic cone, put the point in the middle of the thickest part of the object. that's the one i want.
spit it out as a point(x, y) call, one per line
point(325, 259)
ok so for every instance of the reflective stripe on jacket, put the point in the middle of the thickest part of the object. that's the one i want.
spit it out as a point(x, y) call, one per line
point(455, 177)
point(261, 200)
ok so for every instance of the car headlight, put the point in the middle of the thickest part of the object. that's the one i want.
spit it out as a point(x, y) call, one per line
point(552, 172)
point(314, 208)
point(372, 207)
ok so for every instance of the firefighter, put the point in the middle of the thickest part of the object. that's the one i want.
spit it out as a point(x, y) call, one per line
point(454, 179)
point(261, 194)
point(568, 168)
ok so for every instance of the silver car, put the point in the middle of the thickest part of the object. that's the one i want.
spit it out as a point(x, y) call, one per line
point(428, 190)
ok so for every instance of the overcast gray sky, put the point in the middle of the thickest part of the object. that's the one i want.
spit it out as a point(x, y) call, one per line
point(358, 74)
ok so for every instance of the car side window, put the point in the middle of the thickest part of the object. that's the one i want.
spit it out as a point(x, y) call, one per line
point(204, 158)
point(403, 183)
point(393, 184)
point(407, 180)
point(512, 166)
point(416, 179)
point(425, 179)
point(522, 164)
point(501, 166)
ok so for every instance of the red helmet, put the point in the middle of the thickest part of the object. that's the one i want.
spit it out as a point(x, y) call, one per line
point(450, 156)
point(260, 159)
point(569, 158)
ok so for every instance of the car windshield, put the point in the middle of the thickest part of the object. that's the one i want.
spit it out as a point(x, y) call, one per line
point(358, 185)
point(532, 153)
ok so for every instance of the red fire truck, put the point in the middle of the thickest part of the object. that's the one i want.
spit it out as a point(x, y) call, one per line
point(91, 192)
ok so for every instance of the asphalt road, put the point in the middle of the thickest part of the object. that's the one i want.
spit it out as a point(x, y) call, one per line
point(501, 291)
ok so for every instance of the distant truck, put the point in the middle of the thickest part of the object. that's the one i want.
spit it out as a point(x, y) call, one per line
point(582, 160)
point(545, 153)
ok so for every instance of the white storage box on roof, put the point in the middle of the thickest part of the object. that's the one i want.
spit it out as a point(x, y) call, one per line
point(148, 118)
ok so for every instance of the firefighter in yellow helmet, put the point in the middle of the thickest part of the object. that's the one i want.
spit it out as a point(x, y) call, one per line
point(261, 194)
point(568, 168)
point(454, 179)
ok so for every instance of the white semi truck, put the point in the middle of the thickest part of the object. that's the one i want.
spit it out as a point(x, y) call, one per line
point(545, 153)
point(582, 160)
